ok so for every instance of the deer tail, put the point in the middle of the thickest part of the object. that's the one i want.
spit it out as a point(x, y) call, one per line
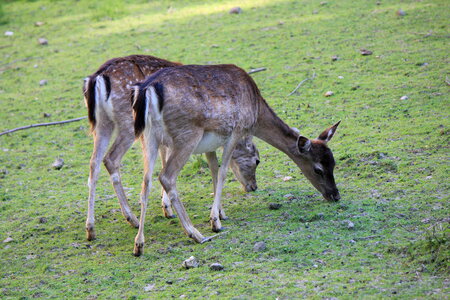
point(140, 108)
point(96, 89)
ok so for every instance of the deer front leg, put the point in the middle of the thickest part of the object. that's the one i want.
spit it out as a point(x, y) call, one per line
point(150, 153)
point(122, 143)
point(214, 167)
point(101, 140)
point(216, 226)
point(165, 201)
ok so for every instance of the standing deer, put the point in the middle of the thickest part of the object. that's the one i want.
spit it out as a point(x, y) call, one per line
point(107, 97)
point(196, 109)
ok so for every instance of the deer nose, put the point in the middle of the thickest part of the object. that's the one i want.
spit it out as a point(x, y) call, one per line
point(251, 187)
point(337, 197)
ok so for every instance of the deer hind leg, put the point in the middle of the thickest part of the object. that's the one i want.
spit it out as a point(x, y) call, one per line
point(150, 151)
point(165, 201)
point(123, 142)
point(214, 167)
point(177, 159)
point(102, 136)
point(216, 226)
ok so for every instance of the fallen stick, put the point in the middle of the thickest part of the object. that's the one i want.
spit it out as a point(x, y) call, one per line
point(301, 82)
point(41, 124)
point(256, 70)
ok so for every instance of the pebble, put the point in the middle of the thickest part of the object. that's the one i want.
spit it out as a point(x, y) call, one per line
point(190, 263)
point(8, 239)
point(404, 98)
point(366, 52)
point(328, 94)
point(43, 41)
point(259, 246)
point(275, 206)
point(58, 164)
point(149, 287)
point(287, 178)
point(236, 10)
point(401, 12)
point(350, 224)
point(9, 33)
point(43, 82)
point(216, 267)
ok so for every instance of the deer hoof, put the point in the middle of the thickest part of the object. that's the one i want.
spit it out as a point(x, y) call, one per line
point(217, 229)
point(138, 249)
point(90, 233)
point(133, 221)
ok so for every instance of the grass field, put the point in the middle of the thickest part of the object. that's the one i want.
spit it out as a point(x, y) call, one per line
point(392, 153)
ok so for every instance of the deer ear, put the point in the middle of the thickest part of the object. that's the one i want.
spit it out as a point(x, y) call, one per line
point(328, 133)
point(304, 144)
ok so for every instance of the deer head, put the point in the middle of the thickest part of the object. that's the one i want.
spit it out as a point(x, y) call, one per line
point(244, 161)
point(318, 163)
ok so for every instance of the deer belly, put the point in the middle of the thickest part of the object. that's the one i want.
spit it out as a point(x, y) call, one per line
point(209, 143)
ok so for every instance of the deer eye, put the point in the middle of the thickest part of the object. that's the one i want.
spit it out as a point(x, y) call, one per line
point(318, 171)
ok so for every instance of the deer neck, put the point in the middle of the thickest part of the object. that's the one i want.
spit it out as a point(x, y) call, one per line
point(271, 129)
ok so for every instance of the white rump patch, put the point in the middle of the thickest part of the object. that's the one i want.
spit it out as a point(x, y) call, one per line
point(154, 104)
point(101, 100)
point(86, 85)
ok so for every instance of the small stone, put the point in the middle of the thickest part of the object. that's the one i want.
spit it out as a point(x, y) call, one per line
point(366, 52)
point(190, 263)
point(350, 224)
point(275, 206)
point(47, 115)
point(341, 77)
point(259, 246)
point(289, 196)
point(216, 267)
point(287, 178)
point(8, 239)
point(352, 241)
point(9, 33)
point(404, 97)
point(236, 10)
point(43, 41)
point(58, 164)
point(149, 287)
point(43, 82)
point(334, 58)
point(323, 3)
point(43, 220)
point(328, 94)
point(38, 23)
point(401, 13)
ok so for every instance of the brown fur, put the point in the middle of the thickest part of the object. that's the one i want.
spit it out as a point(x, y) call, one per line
point(222, 102)
point(114, 113)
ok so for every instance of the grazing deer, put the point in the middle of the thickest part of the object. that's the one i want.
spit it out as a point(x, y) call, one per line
point(107, 96)
point(196, 109)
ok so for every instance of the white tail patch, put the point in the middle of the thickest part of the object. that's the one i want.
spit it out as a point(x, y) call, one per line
point(101, 100)
point(86, 86)
point(154, 104)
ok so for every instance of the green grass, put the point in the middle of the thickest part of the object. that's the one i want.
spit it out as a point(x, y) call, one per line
point(392, 154)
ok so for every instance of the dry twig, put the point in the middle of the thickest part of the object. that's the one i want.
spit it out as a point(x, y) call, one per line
point(41, 124)
point(301, 82)
point(256, 70)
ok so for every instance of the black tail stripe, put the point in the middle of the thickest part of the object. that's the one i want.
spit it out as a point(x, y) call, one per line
point(139, 109)
point(159, 89)
point(90, 99)
point(108, 86)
